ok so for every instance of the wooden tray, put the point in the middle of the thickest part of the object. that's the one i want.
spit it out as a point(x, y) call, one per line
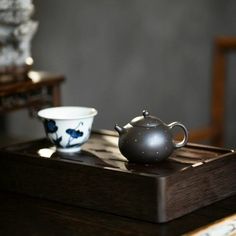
point(100, 177)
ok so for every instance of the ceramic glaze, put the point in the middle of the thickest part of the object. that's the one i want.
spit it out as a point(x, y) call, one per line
point(68, 128)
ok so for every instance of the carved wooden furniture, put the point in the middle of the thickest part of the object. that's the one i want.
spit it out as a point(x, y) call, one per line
point(214, 132)
point(37, 90)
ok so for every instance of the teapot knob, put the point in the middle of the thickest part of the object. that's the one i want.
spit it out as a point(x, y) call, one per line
point(119, 129)
point(145, 113)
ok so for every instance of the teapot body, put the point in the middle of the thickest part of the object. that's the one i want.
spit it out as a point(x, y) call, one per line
point(148, 140)
point(146, 145)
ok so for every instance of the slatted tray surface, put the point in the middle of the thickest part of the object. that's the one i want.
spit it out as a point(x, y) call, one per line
point(154, 192)
point(102, 151)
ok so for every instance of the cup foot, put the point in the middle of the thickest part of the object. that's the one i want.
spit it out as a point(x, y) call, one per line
point(69, 150)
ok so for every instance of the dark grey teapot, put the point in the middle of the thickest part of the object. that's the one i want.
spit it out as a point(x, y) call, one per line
point(146, 139)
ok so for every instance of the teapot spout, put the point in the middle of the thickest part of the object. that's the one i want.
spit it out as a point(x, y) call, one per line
point(119, 129)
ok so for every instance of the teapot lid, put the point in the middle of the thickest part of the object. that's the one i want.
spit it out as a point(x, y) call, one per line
point(146, 120)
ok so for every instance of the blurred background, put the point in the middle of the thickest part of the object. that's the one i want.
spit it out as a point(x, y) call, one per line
point(121, 57)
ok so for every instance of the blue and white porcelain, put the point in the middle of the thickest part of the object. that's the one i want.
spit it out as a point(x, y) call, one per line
point(68, 127)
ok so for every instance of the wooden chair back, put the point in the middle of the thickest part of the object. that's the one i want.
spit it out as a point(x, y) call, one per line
point(214, 133)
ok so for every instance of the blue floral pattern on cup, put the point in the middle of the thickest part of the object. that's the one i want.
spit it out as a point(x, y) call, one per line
point(52, 128)
point(74, 134)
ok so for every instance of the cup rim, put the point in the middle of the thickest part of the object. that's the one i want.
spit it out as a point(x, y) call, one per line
point(43, 112)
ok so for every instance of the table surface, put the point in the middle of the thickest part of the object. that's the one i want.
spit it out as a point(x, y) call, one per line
point(24, 215)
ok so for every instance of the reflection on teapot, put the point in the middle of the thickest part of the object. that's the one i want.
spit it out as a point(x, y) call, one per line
point(146, 139)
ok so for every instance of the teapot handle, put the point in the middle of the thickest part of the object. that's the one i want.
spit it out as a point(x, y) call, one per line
point(185, 139)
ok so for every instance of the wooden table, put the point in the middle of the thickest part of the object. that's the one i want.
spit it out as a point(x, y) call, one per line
point(23, 215)
point(37, 90)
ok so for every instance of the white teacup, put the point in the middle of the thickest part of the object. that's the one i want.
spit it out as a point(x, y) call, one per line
point(68, 127)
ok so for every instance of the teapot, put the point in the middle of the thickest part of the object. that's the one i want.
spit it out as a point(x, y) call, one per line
point(147, 139)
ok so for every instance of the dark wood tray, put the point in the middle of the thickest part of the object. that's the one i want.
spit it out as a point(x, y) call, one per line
point(100, 177)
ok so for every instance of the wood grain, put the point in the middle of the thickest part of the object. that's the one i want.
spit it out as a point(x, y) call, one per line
point(100, 178)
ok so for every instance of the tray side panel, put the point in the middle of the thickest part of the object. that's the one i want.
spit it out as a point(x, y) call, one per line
point(95, 188)
point(199, 186)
